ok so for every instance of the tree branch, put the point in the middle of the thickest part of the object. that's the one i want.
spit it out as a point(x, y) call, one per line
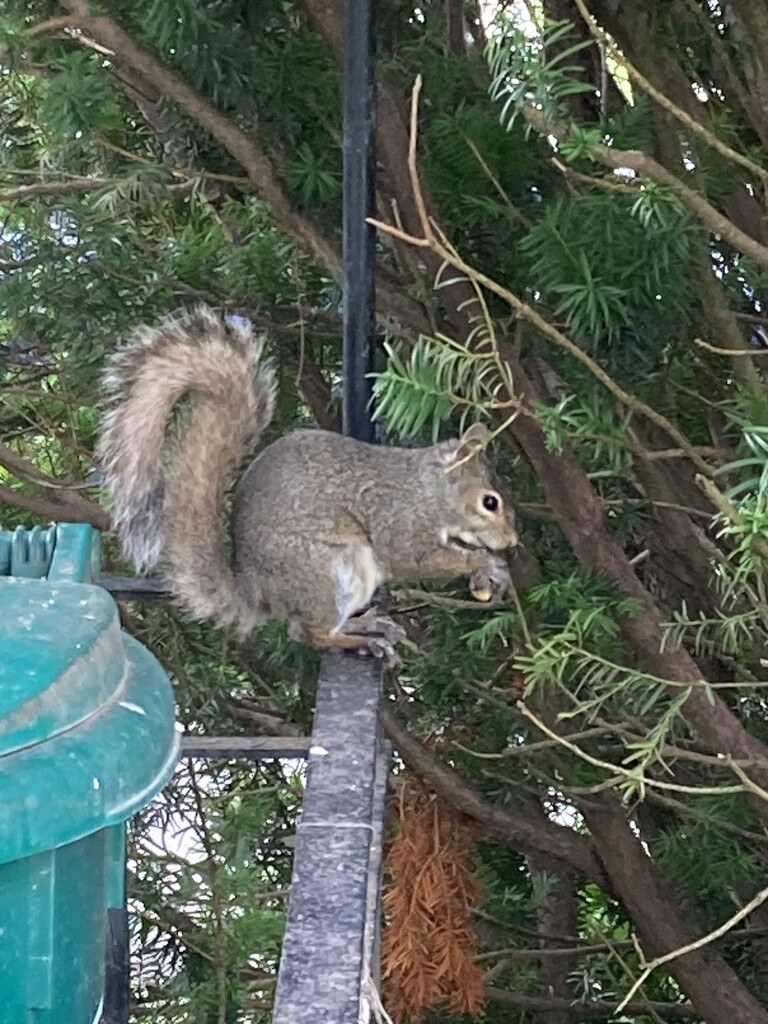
point(582, 519)
point(714, 988)
point(696, 944)
point(51, 188)
point(243, 148)
point(54, 510)
point(556, 912)
point(249, 152)
point(592, 1009)
point(51, 25)
point(665, 103)
point(647, 167)
point(66, 501)
point(511, 827)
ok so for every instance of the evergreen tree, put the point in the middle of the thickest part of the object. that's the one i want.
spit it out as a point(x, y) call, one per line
point(578, 256)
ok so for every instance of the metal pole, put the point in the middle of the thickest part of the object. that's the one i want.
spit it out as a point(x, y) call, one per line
point(359, 238)
point(331, 939)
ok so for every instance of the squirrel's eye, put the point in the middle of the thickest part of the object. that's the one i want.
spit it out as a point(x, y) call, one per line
point(491, 502)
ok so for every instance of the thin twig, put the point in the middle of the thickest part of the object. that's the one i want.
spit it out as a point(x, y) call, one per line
point(179, 172)
point(645, 166)
point(730, 351)
point(525, 221)
point(413, 170)
point(690, 122)
point(631, 775)
point(705, 940)
point(526, 749)
point(425, 597)
point(51, 188)
point(731, 513)
point(433, 239)
point(51, 25)
point(589, 179)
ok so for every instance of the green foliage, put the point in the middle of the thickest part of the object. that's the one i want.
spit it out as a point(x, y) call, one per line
point(524, 71)
point(614, 261)
point(79, 98)
point(733, 634)
point(588, 421)
point(604, 269)
point(438, 375)
point(310, 180)
point(753, 468)
point(411, 395)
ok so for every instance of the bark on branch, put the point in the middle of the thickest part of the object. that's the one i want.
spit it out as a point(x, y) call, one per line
point(647, 167)
point(62, 502)
point(50, 188)
point(591, 1010)
point(47, 509)
point(715, 990)
point(512, 827)
point(245, 148)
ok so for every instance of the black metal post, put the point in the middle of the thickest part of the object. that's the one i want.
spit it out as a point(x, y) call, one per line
point(359, 241)
point(115, 1009)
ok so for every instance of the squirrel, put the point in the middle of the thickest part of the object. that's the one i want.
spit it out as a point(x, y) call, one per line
point(319, 520)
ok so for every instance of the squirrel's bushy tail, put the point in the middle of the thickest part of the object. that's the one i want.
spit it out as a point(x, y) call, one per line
point(168, 498)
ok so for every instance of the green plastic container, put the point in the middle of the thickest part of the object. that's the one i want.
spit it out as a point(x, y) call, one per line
point(87, 737)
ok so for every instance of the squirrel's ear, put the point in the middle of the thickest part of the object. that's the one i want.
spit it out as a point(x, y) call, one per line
point(473, 438)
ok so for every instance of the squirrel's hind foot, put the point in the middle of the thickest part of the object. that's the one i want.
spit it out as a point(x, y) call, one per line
point(379, 634)
point(378, 647)
point(373, 634)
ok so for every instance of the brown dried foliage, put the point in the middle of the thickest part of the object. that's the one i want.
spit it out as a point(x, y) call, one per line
point(428, 941)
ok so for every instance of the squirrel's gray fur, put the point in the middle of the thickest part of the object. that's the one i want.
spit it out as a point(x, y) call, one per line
point(319, 520)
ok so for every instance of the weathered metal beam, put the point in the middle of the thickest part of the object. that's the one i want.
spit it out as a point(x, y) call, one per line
point(332, 929)
point(331, 939)
point(249, 748)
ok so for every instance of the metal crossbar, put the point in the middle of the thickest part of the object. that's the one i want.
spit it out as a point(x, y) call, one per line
point(246, 748)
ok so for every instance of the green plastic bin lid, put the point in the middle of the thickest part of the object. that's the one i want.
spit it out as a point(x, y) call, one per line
point(61, 657)
point(87, 716)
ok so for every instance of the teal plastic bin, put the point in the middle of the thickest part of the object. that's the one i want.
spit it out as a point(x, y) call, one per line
point(87, 737)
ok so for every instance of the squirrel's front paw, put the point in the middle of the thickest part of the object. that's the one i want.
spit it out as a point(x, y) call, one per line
point(491, 582)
